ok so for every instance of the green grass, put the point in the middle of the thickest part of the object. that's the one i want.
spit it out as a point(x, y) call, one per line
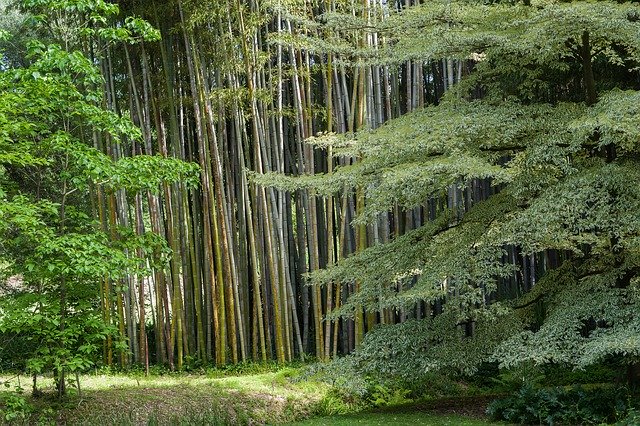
point(177, 399)
point(216, 398)
point(392, 419)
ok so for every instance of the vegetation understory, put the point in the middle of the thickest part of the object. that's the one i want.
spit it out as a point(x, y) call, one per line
point(302, 394)
point(214, 398)
point(266, 398)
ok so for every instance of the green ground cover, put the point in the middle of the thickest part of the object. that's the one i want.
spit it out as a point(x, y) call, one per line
point(272, 394)
point(174, 399)
point(215, 397)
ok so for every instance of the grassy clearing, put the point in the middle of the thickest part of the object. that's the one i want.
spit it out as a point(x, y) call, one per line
point(178, 399)
point(217, 398)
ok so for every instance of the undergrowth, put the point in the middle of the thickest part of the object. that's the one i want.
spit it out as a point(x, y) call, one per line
point(564, 405)
point(250, 393)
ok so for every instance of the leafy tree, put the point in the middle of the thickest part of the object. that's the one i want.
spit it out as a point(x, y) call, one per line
point(51, 114)
point(548, 116)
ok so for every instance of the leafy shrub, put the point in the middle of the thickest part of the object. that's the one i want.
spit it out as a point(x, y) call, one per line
point(339, 401)
point(341, 373)
point(352, 390)
point(513, 379)
point(575, 405)
point(381, 396)
point(14, 406)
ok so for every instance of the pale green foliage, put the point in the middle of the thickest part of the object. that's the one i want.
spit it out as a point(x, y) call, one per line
point(544, 33)
point(565, 173)
point(439, 256)
point(433, 344)
point(589, 208)
point(564, 338)
point(616, 119)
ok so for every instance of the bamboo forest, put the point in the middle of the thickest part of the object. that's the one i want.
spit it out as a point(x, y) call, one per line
point(279, 210)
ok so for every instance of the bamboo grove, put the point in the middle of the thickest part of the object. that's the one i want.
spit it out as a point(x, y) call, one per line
point(232, 87)
point(240, 86)
point(255, 88)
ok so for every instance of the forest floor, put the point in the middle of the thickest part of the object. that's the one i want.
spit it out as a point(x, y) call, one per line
point(266, 398)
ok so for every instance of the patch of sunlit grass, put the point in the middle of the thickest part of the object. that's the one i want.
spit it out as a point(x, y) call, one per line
point(135, 399)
